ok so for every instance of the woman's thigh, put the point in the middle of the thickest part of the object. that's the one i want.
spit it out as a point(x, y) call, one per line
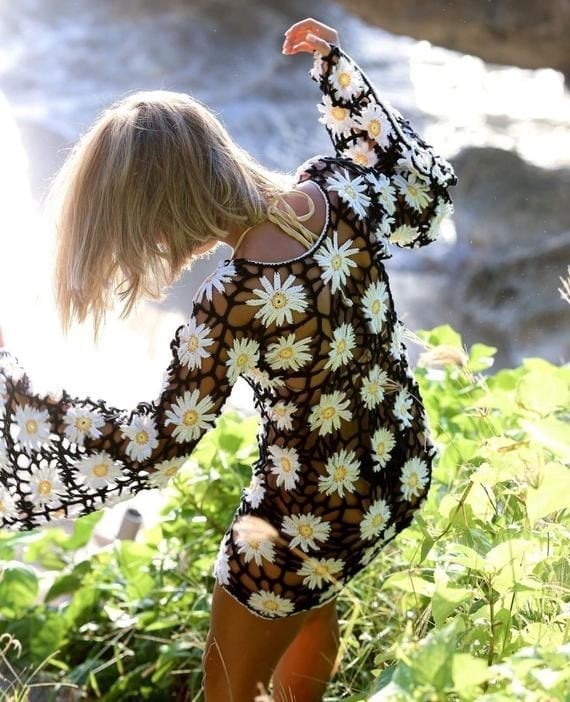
point(243, 649)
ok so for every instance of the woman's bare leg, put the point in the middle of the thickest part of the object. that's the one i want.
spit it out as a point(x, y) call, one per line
point(242, 649)
point(306, 666)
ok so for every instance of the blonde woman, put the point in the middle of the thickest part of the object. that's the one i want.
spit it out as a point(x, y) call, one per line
point(302, 311)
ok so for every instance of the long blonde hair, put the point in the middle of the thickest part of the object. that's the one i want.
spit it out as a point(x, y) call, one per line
point(155, 177)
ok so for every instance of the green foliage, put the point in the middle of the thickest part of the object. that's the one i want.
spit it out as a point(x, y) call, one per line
point(469, 603)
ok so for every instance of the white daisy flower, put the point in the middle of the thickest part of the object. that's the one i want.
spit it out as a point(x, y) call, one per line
point(316, 71)
point(162, 472)
point(375, 519)
point(255, 492)
point(402, 406)
point(279, 301)
point(442, 171)
point(397, 340)
point(341, 346)
point(335, 261)
point(270, 604)
point(342, 473)
point(404, 235)
point(405, 164)
point(385, 227)
point(282, 414)
point(415, 190)
point(288, 353)
point(3, 454)
point(222, 274)
point(11, 368)
point(414, 478)
point(8, 507)
point(375, 305)
point(46, 486)
point(317, 570)
point(143, 437)
point(374, 387)
point(306, 530)
point(264, 380)
point(285, 466)
point(389, 533)
point(442, 212)
point(351, 191)
point(193, 341)
point(361, 153)
point(345, 79)
point(327, 415)
point(98, 470)
point(190, 416)
point(242, 357)
point(383, 442)
point(81, 422)
point(222, 565)
point(374, 121)
point(34, 427)
point(385, 191)
point(256, 549)
point(335, 117)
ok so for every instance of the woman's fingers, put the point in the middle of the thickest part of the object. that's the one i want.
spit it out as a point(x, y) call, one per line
point(309, 35)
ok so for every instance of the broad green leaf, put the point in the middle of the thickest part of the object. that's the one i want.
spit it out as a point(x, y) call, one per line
point(551, 433)
point(410, 583)
point(445, 601)
point(469, 671)
point(551, 494)
point(542, 393)
point(18, 588)
point(481, 357)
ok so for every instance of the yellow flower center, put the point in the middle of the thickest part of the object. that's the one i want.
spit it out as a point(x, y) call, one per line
point(271, 605)
point(361, 158)
point(286, 465)
point(349, 190)
point(2, 506)
point(372, 388)
point(242, 359)
point(280, 411)
point(320, 569)
point(412, 190)
point(378, 520)
point(380, 448)
point(339, 113)
point(376, 307)
point(31, 426)
point(190, 417)
point(141, 437)
point(336, 261)
point(328, 412)
point(413, 480)
point(83, 424)
point(340, 473)
point(341, 346)
point(171, 470)
point(306, 530)
point(286, 352)
point(101, 469)
point(344, 79)
point(44, 487)
point(254, 543)
point(278, 300)
point(192, 343)
point(374, 128)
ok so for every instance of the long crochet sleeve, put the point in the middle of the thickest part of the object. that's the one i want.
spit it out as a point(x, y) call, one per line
point(404, 181)
point(66, 456)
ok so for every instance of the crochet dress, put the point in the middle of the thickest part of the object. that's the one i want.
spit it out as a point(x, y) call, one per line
point(345, 451)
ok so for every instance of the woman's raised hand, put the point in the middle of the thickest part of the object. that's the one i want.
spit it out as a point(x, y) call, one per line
point(309, 35)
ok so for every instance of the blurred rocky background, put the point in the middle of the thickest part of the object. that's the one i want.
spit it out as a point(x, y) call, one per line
point(484, 82)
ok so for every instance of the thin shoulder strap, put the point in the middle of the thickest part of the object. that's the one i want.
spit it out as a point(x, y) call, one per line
point(288, 220)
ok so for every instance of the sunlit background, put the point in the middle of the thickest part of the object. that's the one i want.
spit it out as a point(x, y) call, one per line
point(493, 275)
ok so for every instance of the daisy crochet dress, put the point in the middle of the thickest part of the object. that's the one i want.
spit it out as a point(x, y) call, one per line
point(345, 452)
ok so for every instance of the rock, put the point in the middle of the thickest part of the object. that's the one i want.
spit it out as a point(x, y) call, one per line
point(525, 33)
point(512, 301)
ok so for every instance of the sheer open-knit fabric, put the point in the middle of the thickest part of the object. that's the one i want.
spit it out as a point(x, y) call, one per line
point(345, 451)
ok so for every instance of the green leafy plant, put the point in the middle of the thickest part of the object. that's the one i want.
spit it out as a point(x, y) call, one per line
point(469, 603)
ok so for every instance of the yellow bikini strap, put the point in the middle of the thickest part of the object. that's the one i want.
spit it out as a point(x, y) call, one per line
point(288, 220)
